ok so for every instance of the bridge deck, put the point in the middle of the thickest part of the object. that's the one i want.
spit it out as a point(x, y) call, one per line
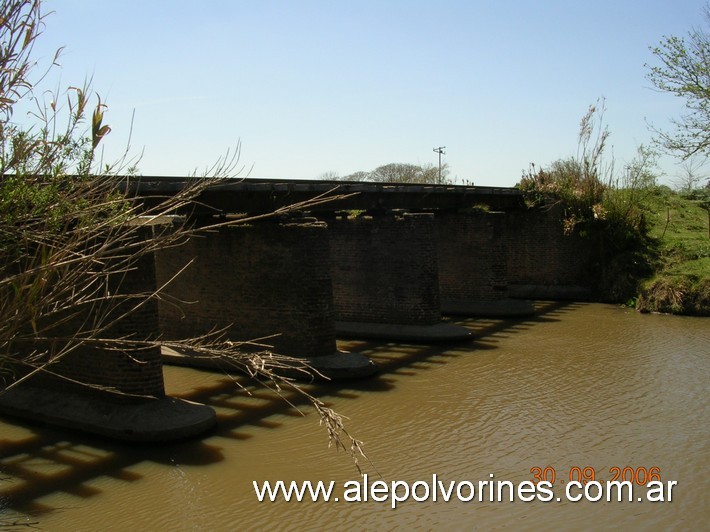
point(254, 195)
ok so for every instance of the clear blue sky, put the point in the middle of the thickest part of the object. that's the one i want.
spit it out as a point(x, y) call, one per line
point(311, 86)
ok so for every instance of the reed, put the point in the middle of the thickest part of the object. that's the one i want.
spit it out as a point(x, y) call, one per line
point(67, 232)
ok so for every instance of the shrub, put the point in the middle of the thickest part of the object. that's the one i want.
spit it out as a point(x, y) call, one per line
point(605, 209)
point(65, 230)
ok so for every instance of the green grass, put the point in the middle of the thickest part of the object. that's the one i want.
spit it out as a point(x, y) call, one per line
point(679, 226)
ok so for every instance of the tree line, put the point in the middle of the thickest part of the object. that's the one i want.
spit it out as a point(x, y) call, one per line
point(398, 173)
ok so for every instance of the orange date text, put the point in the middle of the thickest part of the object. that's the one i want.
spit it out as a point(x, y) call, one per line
point(635, 475)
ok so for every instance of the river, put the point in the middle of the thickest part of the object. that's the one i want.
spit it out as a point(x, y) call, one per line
point(577, 386)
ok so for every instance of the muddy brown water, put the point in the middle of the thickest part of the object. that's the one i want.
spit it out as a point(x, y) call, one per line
point(578, 386)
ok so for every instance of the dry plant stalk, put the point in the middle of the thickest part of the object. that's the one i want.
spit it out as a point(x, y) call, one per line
point(68, 236)
point(62, 277)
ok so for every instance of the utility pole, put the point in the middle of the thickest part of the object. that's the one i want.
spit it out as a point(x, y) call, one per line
point(440, 150)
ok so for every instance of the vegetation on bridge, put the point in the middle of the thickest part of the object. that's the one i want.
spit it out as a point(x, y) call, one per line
point(651, 245)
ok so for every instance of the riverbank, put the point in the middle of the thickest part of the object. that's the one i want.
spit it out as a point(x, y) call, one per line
point(679, 229)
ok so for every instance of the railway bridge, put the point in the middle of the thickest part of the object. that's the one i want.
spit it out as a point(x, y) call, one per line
point(341, 259)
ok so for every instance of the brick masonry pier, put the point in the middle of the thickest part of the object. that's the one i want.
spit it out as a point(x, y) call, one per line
point(543, 262)
point(472, 249)
point(267, 282)
point(385, 278)
point(123, 394)
point(380, 261)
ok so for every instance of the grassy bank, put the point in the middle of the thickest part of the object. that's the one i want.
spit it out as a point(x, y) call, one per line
point(678, 225)
point(650, 246)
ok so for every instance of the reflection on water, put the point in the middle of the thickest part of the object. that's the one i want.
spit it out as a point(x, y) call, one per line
point(578, 385)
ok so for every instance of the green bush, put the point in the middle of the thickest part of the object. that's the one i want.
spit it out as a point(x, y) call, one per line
point(65, 230)
point(607, 210)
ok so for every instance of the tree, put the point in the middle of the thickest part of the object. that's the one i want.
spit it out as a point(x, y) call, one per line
point(356, 176)
point(330, 175)
point(684, 71)
point(66, 231)
point(690, 177)
point(703, 199)
point(403, 173)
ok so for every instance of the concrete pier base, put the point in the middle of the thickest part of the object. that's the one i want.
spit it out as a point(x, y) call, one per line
point(551, 292)
point(341, 365)
point(435, 333)
point(139, 410)
point(149, 420)
point(498, 308)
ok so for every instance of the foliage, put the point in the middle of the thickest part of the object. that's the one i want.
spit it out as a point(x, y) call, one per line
point(576, 182)
point(681, 280)
point(684, 71)
point(403, 173)
point(690, 178)
point(330, 175)
point(601, 206)
point(66, 231)
point(676, 295)
point(679, 222)
point(681, 283)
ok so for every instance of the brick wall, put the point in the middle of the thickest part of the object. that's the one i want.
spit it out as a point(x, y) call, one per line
point(385, 269)
point(130, 371)
point(472, 256)
point(541, 255)
point(259, 280)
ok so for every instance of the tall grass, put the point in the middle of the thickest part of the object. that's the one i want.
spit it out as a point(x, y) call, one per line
point(66, 232)
point(601, 205)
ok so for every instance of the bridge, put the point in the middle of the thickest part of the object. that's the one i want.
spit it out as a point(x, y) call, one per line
point(253, 195)
point(381, 261)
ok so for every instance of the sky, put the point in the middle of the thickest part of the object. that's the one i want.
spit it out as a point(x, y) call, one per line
point(315, 86)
